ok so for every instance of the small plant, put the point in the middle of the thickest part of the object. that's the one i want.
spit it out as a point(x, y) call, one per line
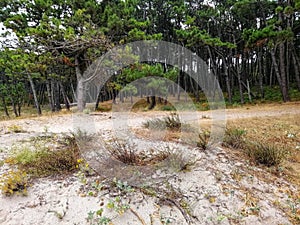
point(118, 205)
point(122, 186)
point(82, 137)
point(14, 182)
point(15, 129)
point(170, 122)
point(203, 140)
point(123, 151)
point(177, 161)
point(96, 217)
point(266, 154)
point(39, 160)
point(234, 138)
point(173, 121)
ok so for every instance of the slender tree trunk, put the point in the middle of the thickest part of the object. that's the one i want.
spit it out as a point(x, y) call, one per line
point(14, 107)
point(153, 102)
point(240, 80)
point(67, 103)
point(228, 86)
point(296, 70)
point(260, 74)
point(285, 88)
point(49, 96)
point(36, 102)
point(4, 106)
point(276, 69)
point(282, 64)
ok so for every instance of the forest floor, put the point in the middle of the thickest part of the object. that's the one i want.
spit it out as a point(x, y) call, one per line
point(222, 186)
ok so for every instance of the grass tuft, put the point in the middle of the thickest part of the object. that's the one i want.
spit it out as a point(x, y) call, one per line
point(266, 154)
point(234, 138)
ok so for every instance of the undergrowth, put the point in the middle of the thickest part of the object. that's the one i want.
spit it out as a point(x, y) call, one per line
point(39, 158)
point(170, 122)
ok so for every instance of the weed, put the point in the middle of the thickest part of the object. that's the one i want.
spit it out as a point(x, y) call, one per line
point(15, 129)
point(170, 122)
point(266, 154)
point(123, 151)
point(203, 140)
point(14, 182)
point(117, 205)
point(177, 161)
point(234, 138)
point(39, 160)
point(122, 186)
point(82, 137)
point(96, 216)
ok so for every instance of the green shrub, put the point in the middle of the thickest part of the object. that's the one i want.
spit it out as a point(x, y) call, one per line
point(266, 154)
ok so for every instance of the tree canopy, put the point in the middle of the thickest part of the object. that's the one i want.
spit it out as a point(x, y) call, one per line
point(249, 45)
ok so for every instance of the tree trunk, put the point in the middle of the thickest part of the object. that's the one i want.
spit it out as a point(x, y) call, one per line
point(276, 69)
point(227, 80)
point(49, 96)
point(14, 106)
point(285, 88)
point(153, 102)
point(81, 102)
point(260, 75)
point(4, 106)
point(296, 70)
point(67, 103)
point(36, 102)
point(240, 80)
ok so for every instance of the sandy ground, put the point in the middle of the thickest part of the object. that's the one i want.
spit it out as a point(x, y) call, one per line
point(219, 189)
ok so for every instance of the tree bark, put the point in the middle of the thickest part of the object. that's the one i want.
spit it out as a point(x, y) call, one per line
point(36, 102)
point(4, 106)
point(67, 103)
point(296, 70)
point(49, 96)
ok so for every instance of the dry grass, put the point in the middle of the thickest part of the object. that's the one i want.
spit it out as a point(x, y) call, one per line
point(281, 132)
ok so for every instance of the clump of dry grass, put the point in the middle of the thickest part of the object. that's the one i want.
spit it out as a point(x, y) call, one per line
point(171, 122)
point(123, 151)
point(266, 154)
point(203, 140)
point(234, 137)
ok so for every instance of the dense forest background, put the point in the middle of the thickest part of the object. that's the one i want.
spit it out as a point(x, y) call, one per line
point(252, 46)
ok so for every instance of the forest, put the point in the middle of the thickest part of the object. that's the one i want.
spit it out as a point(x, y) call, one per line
point(252, 47)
